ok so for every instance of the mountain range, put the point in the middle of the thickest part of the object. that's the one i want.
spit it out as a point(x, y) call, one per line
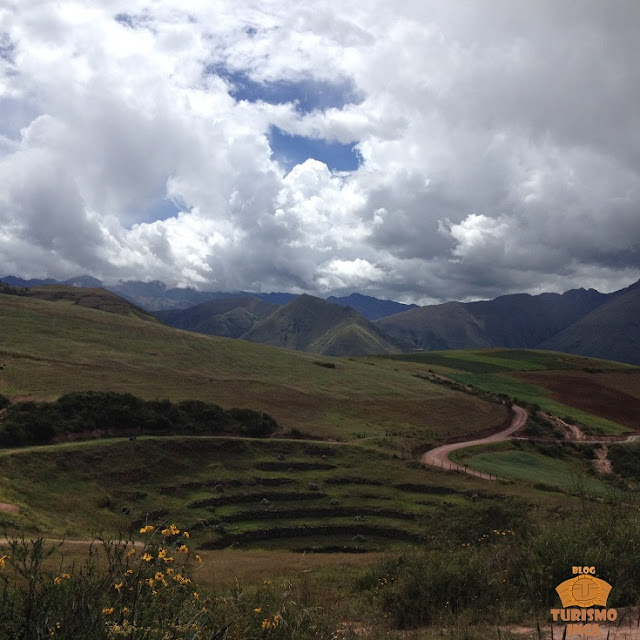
point(580, 321)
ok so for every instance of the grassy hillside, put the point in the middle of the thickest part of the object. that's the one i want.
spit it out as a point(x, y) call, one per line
point(47, 349)
point(596, 394)
point(311, 324)
point(95, 298)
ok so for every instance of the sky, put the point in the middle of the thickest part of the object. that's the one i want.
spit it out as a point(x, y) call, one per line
point(421, 151)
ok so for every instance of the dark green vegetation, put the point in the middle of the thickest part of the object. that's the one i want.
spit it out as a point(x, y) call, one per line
point(106, 413)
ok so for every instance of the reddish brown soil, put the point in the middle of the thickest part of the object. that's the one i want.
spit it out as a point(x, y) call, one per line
point(593, 393)
point(9, 508)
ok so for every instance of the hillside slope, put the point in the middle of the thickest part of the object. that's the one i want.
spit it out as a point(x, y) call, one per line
point(612, 331)
point(315, 325)
point(90, 298)
point(48, 349)
point(225, 317)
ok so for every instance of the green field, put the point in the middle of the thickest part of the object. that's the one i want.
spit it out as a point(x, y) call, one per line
point(496, 371)
point(522, 462)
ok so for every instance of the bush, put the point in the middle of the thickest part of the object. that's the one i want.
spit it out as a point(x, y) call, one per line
point(108, 413)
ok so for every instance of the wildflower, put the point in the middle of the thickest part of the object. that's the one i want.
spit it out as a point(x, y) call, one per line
point(159, 575)
point(171, 531)
point(57, 580)
point(168, 559)
point(184, 549)
point(146, 529)
point(3, 560)
point(186, 534)
point(128, 572)
point(267, 582)
point(132, 552)
point(125, 611)
point(276, 620)
point(150, 582)
point(196, 595)
point(257, 610)
point(198, 558)
point(118, 586)
point(65, 576)
point(169, 571)
point(147, 557)
point(107, 611)
point(266, 623)
point(162, 552)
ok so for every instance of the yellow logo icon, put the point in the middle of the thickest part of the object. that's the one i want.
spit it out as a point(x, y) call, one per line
point(584, 591)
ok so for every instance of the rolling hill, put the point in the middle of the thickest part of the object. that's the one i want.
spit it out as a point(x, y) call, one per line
point(90, 298)
point(51, 348)
point(315, 325)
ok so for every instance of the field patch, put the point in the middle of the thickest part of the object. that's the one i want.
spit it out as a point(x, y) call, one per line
point(524, 463)
point(611, 395)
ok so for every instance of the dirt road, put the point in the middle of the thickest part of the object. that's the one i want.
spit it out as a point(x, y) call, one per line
point(439, 457)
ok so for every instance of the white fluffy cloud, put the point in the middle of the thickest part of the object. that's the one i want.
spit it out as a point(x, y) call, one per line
point(498, 141)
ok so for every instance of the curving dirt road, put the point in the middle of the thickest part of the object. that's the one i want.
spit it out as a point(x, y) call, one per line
point(439, 457)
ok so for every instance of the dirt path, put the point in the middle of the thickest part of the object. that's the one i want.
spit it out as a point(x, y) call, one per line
point(9, 508)
point(439, 457)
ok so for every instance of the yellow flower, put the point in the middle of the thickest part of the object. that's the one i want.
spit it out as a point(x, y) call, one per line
point(146, 529)
point(125, 610)
point(147, 557)
point(257, 610)
point(168, 559)
point(198, 558)
point(58, 580)
point(3, 560)
point(196, 595)
point(128, 572)
point(169, 571)
point(276, 620)
point(266, 623)
point(183, 549)
point(132, 552)
point(150, 582)
point(107, 611)
point(65, 576)
point(186, 534)
point(159, 575)
point(162, 552)
point(118, 586)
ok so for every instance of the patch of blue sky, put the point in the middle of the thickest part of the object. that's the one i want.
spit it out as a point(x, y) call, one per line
point(290, 150)
point(308, 95)
point(158, 210)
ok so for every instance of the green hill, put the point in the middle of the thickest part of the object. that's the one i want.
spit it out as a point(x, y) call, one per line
point(315, 325)
point(50, 348)
point(90, 298)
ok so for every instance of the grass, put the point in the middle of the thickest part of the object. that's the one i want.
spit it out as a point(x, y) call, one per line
point(524, 463)
point(524, 375)
point(48, 349)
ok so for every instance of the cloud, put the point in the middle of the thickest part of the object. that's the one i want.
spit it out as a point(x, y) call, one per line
point(497, 145)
